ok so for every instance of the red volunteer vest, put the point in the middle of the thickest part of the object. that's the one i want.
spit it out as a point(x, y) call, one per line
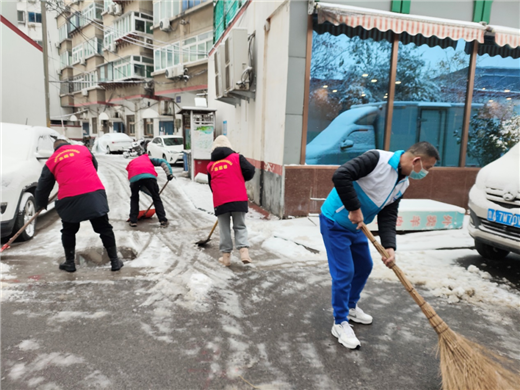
point(227, 181)
point(74, 171)
point(140, 165)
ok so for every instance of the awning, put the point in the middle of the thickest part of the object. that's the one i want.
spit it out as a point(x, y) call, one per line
point(506, 36)
point(399, 23)
point(117, 120)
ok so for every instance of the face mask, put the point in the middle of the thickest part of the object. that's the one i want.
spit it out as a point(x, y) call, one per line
point(419, 175)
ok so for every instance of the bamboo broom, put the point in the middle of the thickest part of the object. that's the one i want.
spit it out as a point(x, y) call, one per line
point(465, 365)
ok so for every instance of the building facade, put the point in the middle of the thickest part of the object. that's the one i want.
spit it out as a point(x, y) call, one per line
point(332, 80)
point(125, 65)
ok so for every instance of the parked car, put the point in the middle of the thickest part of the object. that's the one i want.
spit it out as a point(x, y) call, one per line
point(25, 150)
point(494, 204)
point(167, 147)
point(349, 135)
point(113, 142)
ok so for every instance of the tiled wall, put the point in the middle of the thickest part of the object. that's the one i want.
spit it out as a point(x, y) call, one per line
point(449, 185)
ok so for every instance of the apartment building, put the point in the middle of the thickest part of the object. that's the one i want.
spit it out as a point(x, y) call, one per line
point(126, 63)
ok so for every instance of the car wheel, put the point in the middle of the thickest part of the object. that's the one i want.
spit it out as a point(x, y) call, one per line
point(490, 252)
point(108, 149)
point(28, 211)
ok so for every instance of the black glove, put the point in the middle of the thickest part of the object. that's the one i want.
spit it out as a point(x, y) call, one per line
point(170, 177)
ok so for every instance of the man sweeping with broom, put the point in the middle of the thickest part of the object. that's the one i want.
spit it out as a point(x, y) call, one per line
point(369, 185)
point(142, 176)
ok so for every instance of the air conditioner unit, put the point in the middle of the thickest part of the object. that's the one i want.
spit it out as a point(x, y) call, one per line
point(58, 45)
point(111, 9)
point(58, 72)
point(118, 10)
point(164, 25)
point(84, 92)
point(113, 47)
point(175, 71)
point(178, 125)
point(219, 70)
point(235, 57)
point(83, 61)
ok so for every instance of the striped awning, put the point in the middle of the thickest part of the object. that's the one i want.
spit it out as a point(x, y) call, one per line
point(400, 23)
point(506, 36)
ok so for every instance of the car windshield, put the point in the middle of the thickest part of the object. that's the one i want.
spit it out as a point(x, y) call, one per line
point(172, 141)
point(120, 137)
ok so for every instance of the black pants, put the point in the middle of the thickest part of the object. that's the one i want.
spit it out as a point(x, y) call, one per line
point(151, 186)
point(100, 225)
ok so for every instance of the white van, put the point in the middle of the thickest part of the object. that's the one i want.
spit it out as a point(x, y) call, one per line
point(494, 204)
point(25, 150)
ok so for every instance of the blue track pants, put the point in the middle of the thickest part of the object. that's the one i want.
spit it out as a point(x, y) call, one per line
point(350, 265)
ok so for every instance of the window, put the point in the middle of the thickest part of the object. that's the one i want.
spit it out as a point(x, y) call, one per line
point(184, 52)
point(133, 22)
point(187, 4)
point(148, 127)
point(21, 16)
point(172, 141)
point(45, 145)
point(165, 9)
point(65, 59)
point(130, 119)
point(32, 17)
point(38, 18)
point(63, 32)
point(106, 4)
point(91, 13)
point(430, 93)
point(349, 83)
point(495, 120)
point(126, 68)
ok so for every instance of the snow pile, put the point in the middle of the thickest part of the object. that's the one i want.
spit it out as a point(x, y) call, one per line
point(436, 271)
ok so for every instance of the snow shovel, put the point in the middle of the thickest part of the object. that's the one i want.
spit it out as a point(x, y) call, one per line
point(6, 245)
point(464, 364)
point(204, 242)
point(149, 213)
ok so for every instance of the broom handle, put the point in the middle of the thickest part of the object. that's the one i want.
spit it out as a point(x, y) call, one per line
point(212, 230)
point(160, 192)
point(428, 311)
point(22, 229)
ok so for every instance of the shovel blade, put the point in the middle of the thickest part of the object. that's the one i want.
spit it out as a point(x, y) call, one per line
point(146, 214)
point(202, 242)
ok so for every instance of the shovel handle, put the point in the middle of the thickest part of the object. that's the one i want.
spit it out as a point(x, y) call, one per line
point(213, 229)
point(151, 204)
point(6, 245)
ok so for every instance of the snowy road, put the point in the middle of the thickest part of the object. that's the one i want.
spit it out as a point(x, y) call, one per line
point(173, 318)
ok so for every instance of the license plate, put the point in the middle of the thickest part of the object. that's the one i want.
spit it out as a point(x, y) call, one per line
point(503, 218)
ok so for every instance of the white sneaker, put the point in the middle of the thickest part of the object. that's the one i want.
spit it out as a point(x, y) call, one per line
point(359, 316)
point(345, 335)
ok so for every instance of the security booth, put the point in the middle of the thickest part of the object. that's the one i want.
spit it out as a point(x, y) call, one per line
point(198, 129)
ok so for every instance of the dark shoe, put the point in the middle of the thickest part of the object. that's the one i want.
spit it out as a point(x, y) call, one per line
point(114, 260)
point(165, 223)
point(69, 264)
point(133, 224)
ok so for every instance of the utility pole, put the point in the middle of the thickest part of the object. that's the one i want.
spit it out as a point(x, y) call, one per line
point(45, 61)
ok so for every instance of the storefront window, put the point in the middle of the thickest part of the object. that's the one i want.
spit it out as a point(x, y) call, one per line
point(430, 94)
point(348, 89)
point(495, 120)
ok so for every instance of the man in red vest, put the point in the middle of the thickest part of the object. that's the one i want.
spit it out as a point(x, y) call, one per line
point(142, 175)
point(81, 197)
point(227, 173)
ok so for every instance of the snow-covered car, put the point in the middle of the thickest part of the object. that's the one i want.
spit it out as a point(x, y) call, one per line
point(113, 142)
point(494, 204)
point(25, 150)
point(167, 147)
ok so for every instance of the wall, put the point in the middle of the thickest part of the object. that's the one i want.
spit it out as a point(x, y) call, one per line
point(257, 129)
point(505, 13)
point(306, 187)
point(23, 92)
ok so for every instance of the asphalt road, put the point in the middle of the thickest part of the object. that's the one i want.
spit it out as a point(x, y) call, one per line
point(265, 327)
